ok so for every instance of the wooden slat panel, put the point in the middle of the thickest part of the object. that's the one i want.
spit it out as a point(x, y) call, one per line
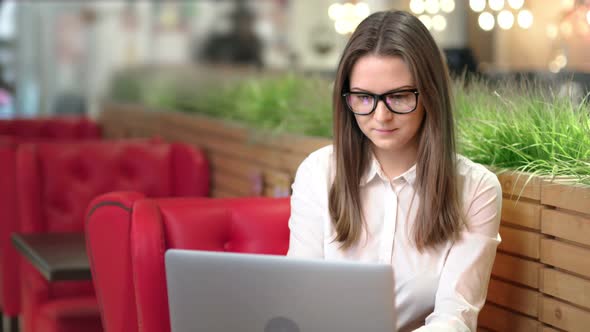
point(502, 320)
point(513, 184)
point(510, 296)
point(517, 269)
point(235, 166)
point(223, 194)
point(566, 256)
point(279, 183)
point(290, 162)
point(205, 125)
point(283, 152)
point(566, 226)
point(563, 315)
point(299, 144)
point(522, 213)
point(570, 197)
point(229, 183)
point(234, 149)
point(237, 132)
point(520, 242)
point(567, 287)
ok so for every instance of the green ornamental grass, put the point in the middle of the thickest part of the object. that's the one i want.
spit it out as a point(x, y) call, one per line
point(525, 127)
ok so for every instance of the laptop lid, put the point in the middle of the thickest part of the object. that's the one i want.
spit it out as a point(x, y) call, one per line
point(212, 291)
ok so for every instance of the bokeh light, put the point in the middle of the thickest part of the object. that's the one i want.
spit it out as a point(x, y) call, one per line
point(432, 6)
point(477, 5)
point(447, 6)
point(552, 31)
point(496, 5)
point(486, 21)
point(426, 20)
point(439, 23)
point(525, 19)
point(516, 4)
point(505, 19)
point(417, 6)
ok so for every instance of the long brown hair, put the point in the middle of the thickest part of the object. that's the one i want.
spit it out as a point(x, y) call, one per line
point(438, 219)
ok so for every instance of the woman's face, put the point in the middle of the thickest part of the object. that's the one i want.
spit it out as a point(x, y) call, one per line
point(388, 131)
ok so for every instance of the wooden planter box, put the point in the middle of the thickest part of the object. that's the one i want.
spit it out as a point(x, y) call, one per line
point(541, 276)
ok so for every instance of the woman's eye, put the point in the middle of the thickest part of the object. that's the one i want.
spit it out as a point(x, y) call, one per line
point(399, 97)
point(365, 99)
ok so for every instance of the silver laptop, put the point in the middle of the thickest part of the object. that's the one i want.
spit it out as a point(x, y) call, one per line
point(227, 292)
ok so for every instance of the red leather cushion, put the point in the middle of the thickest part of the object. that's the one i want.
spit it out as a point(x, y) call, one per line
point(191, 171)
point(72, 307)
point(72, 175)
point(70, 315)
point(250, 225)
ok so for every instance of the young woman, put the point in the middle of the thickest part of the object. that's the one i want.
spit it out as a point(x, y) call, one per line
point(391, 188)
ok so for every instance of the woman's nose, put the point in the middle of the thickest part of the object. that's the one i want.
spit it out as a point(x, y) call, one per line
point(382, 113)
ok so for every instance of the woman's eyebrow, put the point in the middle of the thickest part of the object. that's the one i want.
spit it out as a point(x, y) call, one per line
point(401, 88)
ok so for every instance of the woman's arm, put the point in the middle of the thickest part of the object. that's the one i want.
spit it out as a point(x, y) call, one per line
point(307, 208)
point(464, 280)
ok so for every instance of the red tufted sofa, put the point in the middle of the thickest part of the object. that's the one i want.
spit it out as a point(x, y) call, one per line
point(56, 183)
point(13, 132)
point(131, 288)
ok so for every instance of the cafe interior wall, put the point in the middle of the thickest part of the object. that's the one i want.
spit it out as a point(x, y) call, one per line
point(314, 41)
point(533, 49)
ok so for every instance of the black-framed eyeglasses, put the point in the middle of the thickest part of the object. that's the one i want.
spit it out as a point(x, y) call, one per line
point(365, 103)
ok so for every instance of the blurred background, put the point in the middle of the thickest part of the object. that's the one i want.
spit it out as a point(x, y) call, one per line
point(62, 56)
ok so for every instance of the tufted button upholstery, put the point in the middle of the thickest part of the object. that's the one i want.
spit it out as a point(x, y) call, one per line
point(132, 289)
point(56, 183)
point(93, 169)
point(13, 133)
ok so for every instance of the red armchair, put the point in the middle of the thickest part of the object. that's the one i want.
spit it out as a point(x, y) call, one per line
point(57, 181)
point(13, 132)
point(132, 289)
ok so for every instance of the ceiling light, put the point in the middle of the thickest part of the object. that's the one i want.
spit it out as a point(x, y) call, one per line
point(432, 6)
point(505, 19)
point(417, 6)
point(447, 6)
point(525, 19)
point(516, 4)
point(335, 11)
point(426, 20)
point(552, 31)
point(477, 5)
point(439, 22)
point(486, 21)
point(496, 5)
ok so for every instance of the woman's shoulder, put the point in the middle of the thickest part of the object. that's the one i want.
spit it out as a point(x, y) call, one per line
point(317, 167)
point(474, 175)
point(319, 159)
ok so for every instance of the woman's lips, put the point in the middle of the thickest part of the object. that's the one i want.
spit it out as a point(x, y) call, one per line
point(384, 131)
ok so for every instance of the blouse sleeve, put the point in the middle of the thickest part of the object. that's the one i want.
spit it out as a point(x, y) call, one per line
point(464, 280)
point(305, 223)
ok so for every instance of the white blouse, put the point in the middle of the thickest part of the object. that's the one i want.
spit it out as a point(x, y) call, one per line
point(442, 288)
